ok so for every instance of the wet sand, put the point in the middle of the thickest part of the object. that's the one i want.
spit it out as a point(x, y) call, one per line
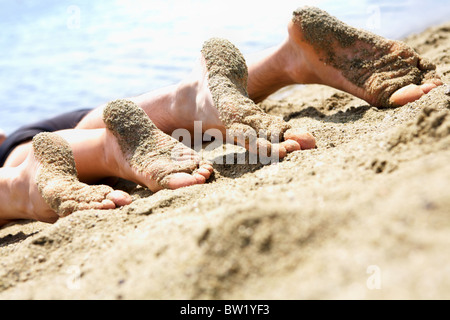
point(362, 216)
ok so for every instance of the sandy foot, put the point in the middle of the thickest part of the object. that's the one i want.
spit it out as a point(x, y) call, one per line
point(57, 180)
point(244, 120)
point(359, 62)
point(156, 160)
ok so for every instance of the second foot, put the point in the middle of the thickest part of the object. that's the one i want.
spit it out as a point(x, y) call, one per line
point(142, 153)
point(230, 109)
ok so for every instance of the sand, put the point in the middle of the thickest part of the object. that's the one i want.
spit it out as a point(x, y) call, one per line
point(362, 216)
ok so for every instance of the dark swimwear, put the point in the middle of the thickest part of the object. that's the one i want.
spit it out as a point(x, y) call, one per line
point(68, 120)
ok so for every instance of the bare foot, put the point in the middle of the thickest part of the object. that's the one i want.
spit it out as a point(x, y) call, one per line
point(227, 107)
point(57, 180)
point(382, 72)
point(45, 186)
point(146, 155)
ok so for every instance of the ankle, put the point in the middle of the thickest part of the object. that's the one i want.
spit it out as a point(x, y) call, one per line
point(166, 106)
point(14, 194)
point(275, 69)
point(185, 105)
point(111, 160)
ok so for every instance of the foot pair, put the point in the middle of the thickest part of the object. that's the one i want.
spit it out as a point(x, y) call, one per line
point(380, 71)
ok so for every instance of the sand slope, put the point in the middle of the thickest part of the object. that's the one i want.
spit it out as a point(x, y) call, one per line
point(363, 216)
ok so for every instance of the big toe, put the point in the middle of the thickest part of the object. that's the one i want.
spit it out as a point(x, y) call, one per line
point(412, 93)
point(180, 180)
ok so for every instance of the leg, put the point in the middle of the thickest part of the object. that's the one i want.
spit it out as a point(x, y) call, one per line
point(48, 183)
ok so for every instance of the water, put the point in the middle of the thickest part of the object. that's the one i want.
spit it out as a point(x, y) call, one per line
point(62, 55)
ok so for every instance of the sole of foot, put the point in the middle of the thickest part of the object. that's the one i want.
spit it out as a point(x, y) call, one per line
point(246, 123)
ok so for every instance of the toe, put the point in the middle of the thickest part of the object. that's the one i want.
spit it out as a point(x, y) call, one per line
point(207, 166)
point(119, 198)
point(199, 178)
point(406, 94)
point(205, 171)
point(412, 92)
point(179, 180)
point(94, 205)
point(305, 139)
point(107, 204)
point(427, 87)
point(278, 151)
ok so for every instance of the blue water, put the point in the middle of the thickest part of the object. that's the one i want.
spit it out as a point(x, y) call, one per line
point(59, 55)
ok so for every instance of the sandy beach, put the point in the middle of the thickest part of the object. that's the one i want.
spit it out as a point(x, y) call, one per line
point(365, 215)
